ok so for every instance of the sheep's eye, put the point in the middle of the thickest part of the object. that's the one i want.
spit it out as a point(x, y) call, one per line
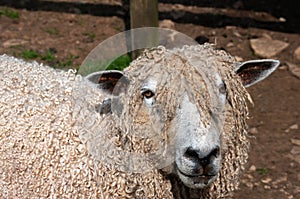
point(147, 94)
point(222, 88)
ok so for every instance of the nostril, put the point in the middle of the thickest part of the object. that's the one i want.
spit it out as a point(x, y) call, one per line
point(215, 152)
point(201, 158)
point(191, 153)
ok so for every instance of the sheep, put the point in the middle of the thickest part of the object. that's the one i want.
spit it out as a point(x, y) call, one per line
point(171, 125)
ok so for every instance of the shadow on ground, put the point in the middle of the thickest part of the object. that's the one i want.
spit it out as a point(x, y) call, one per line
point(277, 8)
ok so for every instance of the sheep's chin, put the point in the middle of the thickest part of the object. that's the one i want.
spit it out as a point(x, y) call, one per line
point(196, 182)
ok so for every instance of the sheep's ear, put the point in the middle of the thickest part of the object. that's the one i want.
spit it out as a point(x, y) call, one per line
point(110, 81)
point(254, 71)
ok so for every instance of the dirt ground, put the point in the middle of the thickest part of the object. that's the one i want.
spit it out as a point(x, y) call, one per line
point(62, 33)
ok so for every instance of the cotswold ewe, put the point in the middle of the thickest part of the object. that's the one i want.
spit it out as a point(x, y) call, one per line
point(172, 125)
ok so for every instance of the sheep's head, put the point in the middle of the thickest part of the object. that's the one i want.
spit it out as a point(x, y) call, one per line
point(176, 101)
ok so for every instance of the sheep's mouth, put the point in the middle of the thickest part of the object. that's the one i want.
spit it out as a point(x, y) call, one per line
point(203, 179)
point(196, 175)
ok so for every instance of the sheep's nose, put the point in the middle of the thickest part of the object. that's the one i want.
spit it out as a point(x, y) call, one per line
point(201, 158)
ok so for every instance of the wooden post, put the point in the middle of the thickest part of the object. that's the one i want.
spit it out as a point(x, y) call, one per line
point(143, 13)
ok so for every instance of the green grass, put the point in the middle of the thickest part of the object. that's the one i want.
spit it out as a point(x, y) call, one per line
point(66, 63)
point(52, 31)
point(114, 64)
point(120, 63)
point(117, 28)
point(262, 171)
point(9, 13)
point(30, 54)
point(91, 36)
point(48, 56)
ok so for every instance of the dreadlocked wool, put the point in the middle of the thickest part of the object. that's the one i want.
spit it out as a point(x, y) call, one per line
point(54, 144)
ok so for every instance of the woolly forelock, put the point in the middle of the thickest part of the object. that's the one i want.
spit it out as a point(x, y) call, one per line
point(43, 149)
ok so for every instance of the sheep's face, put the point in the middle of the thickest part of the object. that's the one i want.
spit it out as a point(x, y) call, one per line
point(197, 143)
point(174, 109)
point(170, 109)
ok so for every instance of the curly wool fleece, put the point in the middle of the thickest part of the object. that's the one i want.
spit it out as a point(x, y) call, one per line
point(41, 153)
point(44, 153)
